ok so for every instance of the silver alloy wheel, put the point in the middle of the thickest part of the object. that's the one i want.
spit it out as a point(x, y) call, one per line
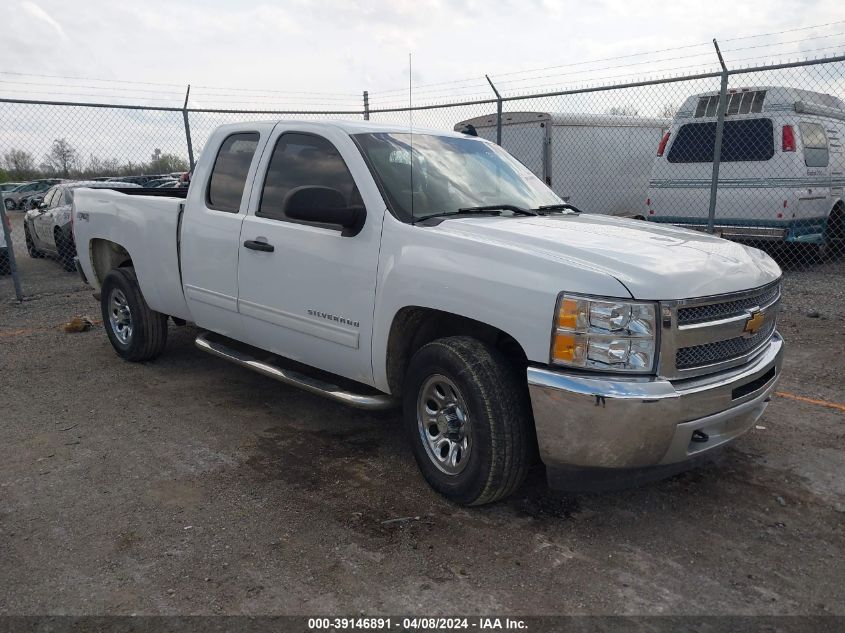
point(10, 204)
point(120, 316)
point(444, 425)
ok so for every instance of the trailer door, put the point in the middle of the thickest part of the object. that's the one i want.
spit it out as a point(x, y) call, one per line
point(528, 143)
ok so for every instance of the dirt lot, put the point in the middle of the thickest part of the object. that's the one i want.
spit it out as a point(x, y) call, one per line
point(189, 485)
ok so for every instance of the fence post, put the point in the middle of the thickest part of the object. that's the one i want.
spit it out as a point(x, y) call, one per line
point(498, 111)
point(717, 145)
point(10, 249)
point(188, 129)
point(366, 105)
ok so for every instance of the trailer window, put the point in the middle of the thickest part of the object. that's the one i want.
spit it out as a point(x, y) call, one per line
point(815, 144)
point(228, 177)
point(743, 140)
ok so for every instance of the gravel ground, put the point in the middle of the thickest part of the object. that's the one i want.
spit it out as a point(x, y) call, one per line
point(189, 485)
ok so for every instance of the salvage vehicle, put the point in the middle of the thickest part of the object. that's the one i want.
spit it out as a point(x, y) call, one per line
point(781, 167)
point(380, 266)
point(48, 228)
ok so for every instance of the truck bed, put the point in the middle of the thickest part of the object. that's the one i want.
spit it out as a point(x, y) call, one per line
point(146, 226)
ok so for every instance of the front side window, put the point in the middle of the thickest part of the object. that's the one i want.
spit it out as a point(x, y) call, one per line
point(743, 140)
point(48, 198)
point(814, 139)
point(301, 160)
point(425, 174)
point(228, 177)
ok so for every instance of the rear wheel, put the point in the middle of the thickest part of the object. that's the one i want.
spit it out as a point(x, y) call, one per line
point(834, 234)
point(66, 250)
point(467, 417)
point(136, 332)
point(10, 204)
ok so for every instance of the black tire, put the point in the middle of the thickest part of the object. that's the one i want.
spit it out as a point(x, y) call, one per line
point(30, 244)
point(498, 413)
point(66, 250)
point(148, 334)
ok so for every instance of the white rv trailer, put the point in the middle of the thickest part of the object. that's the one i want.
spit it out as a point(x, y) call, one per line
point(781, 169)
point(598, 162)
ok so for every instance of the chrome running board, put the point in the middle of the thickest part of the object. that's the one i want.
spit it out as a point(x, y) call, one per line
point(213, 344)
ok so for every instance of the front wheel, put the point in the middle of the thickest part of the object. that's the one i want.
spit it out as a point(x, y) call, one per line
point(66, 250)
point(467, 416)
point(136, 332)
point(30, 244)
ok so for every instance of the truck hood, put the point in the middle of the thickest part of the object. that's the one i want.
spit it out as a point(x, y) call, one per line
point(653, 261)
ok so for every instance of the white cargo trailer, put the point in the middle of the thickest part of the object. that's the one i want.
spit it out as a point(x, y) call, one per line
point(600, 163)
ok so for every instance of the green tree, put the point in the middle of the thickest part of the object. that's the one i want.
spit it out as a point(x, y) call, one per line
point(166, 163)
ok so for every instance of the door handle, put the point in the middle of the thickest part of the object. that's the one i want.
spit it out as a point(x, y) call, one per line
point(259, 246)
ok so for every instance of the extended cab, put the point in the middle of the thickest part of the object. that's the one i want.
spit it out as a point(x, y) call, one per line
point(378, 266)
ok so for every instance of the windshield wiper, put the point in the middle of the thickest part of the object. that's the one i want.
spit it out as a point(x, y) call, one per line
point(548, 208)
point(491, 209)
point(499, 207)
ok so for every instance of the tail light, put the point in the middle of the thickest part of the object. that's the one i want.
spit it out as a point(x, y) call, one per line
point(662, 147)
point(788, 138)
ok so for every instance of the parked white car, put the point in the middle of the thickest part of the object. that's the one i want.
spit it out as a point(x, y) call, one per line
point(48, 229)
point(600, 163)
point(434, 271)
point(782, 168)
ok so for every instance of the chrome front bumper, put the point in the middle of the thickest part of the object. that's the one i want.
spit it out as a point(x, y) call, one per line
point(623, 422)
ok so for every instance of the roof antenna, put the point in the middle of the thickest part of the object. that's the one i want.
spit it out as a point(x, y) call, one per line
point(411, 124)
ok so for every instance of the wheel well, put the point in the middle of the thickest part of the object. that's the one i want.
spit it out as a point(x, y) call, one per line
point(107, 255)
point(836, 220)
point(415, 326)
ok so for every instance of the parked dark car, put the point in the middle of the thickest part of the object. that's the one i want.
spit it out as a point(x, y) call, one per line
point(15, 199)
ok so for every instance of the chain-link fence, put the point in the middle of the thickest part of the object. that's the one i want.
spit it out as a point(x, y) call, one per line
point(641, 149)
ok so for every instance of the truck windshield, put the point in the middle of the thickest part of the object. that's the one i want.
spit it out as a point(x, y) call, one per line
point(444, 174)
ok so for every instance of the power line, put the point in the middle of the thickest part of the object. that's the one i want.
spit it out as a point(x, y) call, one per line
point(803, 28)
point(619, 57)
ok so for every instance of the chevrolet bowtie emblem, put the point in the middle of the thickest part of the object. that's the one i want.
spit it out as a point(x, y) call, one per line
point(754, 322)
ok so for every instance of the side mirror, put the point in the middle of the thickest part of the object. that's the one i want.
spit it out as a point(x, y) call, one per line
point(324, 205)
point(41, 206)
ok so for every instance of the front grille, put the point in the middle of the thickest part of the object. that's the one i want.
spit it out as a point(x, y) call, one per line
point(721, 351)
point(726, 309)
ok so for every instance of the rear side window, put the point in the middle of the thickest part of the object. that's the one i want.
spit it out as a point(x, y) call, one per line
point(814, 139)
point(744, 140)
point(299, 160)
point(228, 177)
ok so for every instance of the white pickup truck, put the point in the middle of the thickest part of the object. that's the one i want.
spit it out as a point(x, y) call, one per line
point(379, 267)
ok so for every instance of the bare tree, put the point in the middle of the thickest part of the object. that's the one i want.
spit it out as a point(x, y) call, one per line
point(623, 110)
point(668, 111)
point(62, 158)
point(19, 164)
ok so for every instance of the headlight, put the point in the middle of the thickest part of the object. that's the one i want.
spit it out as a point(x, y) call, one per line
point(604, 334)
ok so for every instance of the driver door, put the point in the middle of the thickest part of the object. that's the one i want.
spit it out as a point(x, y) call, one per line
point(43, 220)
point(311, 297)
